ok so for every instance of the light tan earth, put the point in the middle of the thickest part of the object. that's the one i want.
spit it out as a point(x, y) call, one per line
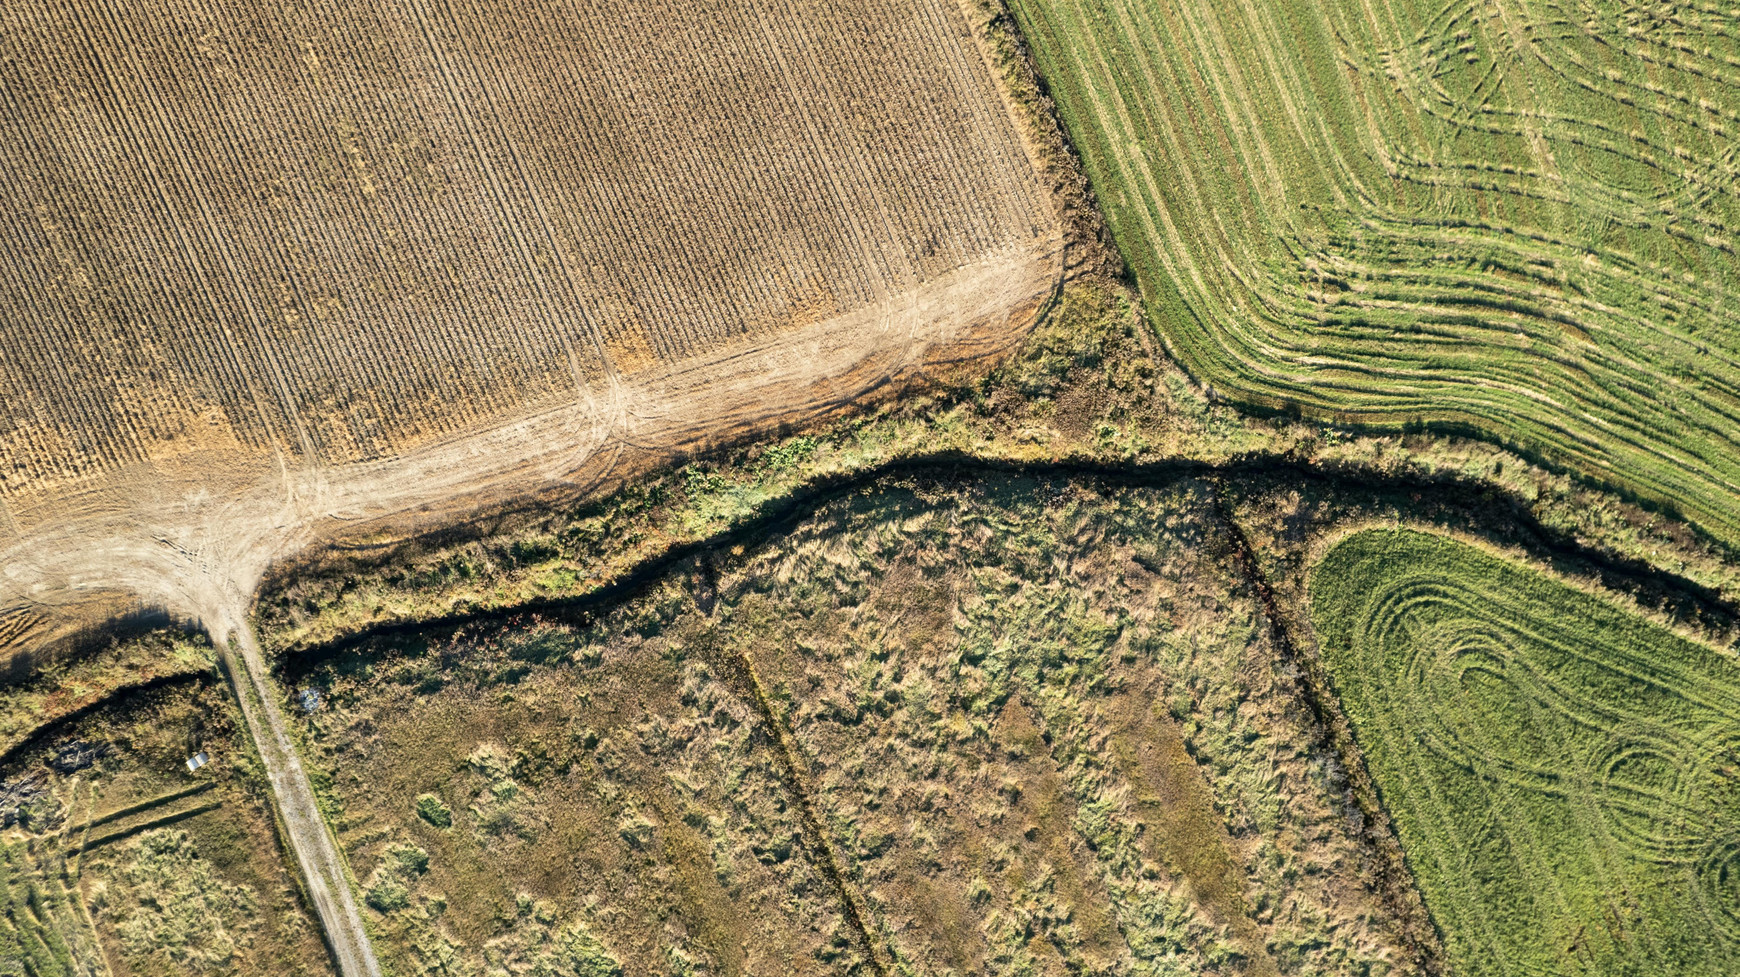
point(196, 542)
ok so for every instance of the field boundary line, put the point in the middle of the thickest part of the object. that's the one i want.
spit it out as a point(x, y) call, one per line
point(142, 806)
point(162, 822)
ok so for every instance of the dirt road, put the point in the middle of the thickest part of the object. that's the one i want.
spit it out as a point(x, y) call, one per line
point(197, 545)
point(316, 853)
point(185, 540)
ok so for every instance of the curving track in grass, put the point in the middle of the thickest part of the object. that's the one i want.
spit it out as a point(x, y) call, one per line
point(1564, 777)
point(1517, 219)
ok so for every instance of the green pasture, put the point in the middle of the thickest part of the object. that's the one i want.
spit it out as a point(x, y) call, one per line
point(1516, 220)
point(1564, 776)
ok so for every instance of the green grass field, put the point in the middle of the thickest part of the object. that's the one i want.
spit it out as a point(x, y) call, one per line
point(1564, 777)
point(1515, 219)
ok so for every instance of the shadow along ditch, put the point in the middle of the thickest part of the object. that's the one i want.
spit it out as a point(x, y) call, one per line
point(1452, 503)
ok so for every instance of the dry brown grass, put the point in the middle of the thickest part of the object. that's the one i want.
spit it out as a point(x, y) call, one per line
point(631, 798)
point(67, 685)
point(163, 872)
point(1012, 725)
point(1087, 387)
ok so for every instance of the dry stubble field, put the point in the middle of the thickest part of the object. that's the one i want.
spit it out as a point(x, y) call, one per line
point(279, 269)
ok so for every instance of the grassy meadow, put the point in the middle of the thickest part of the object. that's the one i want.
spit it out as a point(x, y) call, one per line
point(1516, 220)
point(126, 864)
point(998, 724)
point(1564, 777)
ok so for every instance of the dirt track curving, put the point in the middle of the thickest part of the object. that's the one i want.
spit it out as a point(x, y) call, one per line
point(197, 546)
point(290, 270)
point(200, 552)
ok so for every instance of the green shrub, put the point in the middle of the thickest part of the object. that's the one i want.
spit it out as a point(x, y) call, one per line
point(389, 888)
point(387, 895)
point(408, 861)
point(431, 809)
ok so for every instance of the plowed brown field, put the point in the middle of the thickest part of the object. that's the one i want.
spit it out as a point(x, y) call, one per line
point(269, 270)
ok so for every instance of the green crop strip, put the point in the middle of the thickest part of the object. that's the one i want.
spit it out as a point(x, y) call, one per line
point(1564, 777)
point(1517, 220)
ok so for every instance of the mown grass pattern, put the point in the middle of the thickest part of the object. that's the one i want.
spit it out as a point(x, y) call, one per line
point(1564, 777)
point(1513, 219)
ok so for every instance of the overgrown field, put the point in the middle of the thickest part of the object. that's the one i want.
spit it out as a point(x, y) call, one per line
point(328, 232)
point(444, 715)
point(116, 861)
point(1073, 668)
point(1564, 777)
point(992, 724)
point(1518, 219)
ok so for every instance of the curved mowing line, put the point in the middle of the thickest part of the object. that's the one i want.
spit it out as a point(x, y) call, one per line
point(1520, 218)
point(1564, 777)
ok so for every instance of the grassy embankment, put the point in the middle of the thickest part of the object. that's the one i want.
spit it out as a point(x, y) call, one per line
point(1564, 777)
point(1512, 221)
point(1088, 388)
point(71, 683)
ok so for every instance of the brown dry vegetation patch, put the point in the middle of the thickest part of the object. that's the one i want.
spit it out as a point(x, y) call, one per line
point(1036, 726)
point(56, 691)
point(146, 869)
point(631, 799)
point(1086, 356)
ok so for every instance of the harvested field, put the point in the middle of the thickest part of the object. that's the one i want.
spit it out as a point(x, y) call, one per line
point(1562, 774)
point(278, 269)
point(1516, 219)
